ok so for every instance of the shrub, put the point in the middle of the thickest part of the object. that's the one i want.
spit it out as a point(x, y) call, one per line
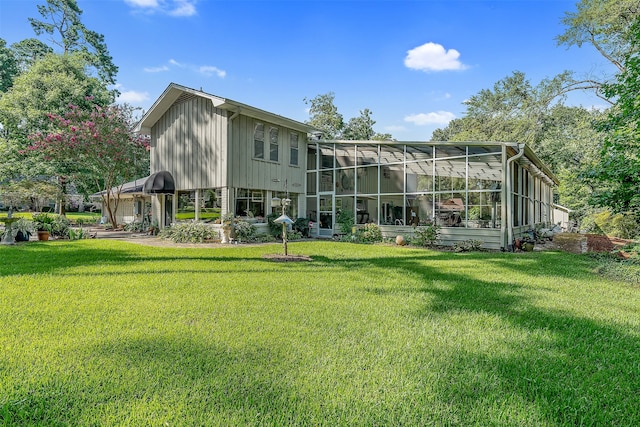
point(60, 226)
point(294, 235)
point(189, 232)
point(370, 233)
point(427, 235)
point(301, 225)
point(468, 245)
point(244, 230)
point(345, 221)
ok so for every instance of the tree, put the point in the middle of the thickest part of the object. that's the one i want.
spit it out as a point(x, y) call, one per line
point(618, 172)
point(62, 22)
point(28, 51)
point(49, 86)
point(96, 149)
point(605, 25)
point(8, 66)
point(324, 115)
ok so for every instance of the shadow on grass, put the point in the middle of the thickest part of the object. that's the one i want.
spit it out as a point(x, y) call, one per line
point(153, 381)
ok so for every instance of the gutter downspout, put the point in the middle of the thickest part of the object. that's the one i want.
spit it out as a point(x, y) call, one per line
point(509, 186)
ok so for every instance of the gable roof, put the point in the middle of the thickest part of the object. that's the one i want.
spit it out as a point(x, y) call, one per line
point(174, 91)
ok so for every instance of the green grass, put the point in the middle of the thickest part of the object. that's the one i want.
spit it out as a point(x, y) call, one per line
point(109, 333)
point(86, 217)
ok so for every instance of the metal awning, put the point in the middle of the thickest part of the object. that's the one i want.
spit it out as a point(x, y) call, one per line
point(160, 183)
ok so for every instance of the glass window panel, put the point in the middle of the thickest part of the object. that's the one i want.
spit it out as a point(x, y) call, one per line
point(450, 151)
point(326, 159)
point(367, 155)
point(312, 209)
point(483, 210)
point(391, 179)
point(186, 206)
point(312, 185)
point(273, 144)
point(326, 180)
point(486, 170)
point(345, 181)
point(345, 155)
point(449, 209)
point(293, 149)
point(482, 149)
point(425, 207)
point(250, 203)
point(391, 154)
point(419, 177)
point(392, 210)
point(366, 209)
point(312, 155)
point(345, 203)
point(419, 153)
point(258, 141)
point(367, 179)
point(450, 175)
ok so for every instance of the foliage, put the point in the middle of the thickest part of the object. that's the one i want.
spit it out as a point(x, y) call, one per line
point(189, 232)
point(369, 233)
point(43, 221)
point(624, 226)
point(427, 235)
point(61, 21)
point(470, 245)
point(301, 225)
point(97, 149)
point(275, 229)
point(324, 116)
point(27, 52)
point(48, 87)
point(137, 226)
point(294, 235)
point(345, 220)
point(24, 225)
point(8, 66)
point(60, 226)
point(34, 194)
point(616, 174)
point(244, 230)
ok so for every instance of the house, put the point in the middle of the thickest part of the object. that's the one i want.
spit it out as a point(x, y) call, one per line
point(134, 205)
point(221, 154)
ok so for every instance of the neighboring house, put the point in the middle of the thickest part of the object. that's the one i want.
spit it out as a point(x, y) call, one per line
point(219, 153)
point(133, 205)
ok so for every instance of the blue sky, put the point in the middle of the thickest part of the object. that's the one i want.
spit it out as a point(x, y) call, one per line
point(412, 63)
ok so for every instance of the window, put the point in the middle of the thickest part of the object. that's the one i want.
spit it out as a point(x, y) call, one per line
point(249, 202)
point(293, 154)
point(258, 141)
point(273, 144)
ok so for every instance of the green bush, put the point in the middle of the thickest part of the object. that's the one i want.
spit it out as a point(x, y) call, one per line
point(624, 226)
point(427, 235)
point(189, 232)
point(60, 227)
point(345, 221)
point(244, 230)
point(370, 233)
point(468, 246)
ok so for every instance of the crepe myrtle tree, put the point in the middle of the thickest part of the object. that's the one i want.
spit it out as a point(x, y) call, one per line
point(95, 149)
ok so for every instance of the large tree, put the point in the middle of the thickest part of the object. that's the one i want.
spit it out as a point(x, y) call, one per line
point(61, 21)
point(97, 150)
point(28, 51)
point(48, 87)
point(325, 116)
point(8, 66)
point(618, 172)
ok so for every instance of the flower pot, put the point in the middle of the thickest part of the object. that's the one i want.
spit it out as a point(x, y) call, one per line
point(22, 237)
point(527, 246)
point(43, 235)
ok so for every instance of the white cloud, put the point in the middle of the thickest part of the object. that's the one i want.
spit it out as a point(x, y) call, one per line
point(209, 70)
point(183, 8)
point(167, 7)
point(206, 70)
point(433, 57)
point(433, 118)
point(133, 97)
point(156, 69)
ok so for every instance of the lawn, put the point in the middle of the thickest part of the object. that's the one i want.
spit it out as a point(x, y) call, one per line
point(102, 332)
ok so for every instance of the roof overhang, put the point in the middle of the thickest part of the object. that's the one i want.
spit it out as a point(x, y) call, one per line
point(174, 91)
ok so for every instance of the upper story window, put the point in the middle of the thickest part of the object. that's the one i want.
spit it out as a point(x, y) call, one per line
point(293, 153)
point(258, 141)
point(273, 144)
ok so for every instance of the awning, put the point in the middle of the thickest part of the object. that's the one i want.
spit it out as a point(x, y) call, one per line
point(160, 183)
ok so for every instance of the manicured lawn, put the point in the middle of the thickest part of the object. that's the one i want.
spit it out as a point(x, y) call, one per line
point(109, 333)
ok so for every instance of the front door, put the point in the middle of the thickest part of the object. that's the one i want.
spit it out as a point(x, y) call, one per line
point(326, 214)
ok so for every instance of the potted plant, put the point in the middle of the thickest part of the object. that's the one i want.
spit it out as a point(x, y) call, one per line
point(23, 229)
point(44, 224)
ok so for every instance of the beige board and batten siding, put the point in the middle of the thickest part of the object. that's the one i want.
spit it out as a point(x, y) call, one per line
point(190, 141)
point(246, 171)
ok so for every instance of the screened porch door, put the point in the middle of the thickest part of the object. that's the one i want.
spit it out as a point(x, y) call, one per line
point(325, 214)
